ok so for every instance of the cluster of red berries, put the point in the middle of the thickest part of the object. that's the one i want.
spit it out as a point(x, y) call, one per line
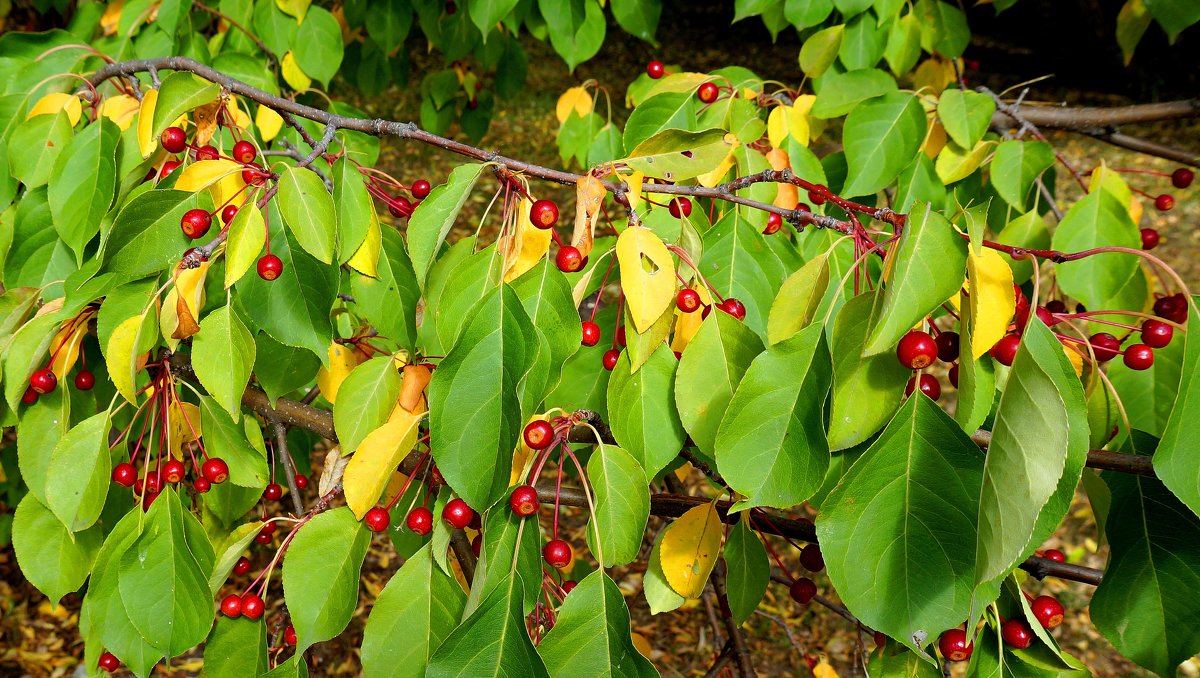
point(803, 589)
point(213, 471)
point(540, 435)
point(398, 205)
point(1181, 178)
point(917, 350)
point(44, 381)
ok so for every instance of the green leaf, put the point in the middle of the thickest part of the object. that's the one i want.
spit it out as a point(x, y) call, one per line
point(925, 463)
point(1175, 460)
point(1029, 231)
point(307, 209)
point(676, 155)
point(485, 14)
point(320, 40)
point(229, 551)
point(747, 571)
point(51, 557)
point(1173, 15)
point(225, 439)
point(576, 136)
point(866, 390)
point(577, 28)
point(927, 267)
point(863, 44)
point(771, 445)
point(80, 466)
point(668, 110)
point(841, 93)
point(237, 647)
point(903, 47)
point(1149, 396)
point(622, 505)
point(709, 372)
point(223, 357)
point(641, 410)
point(389, 301)
point(180, 93)
point(145, 237)
point(943, 28)
point(320, 583)
point(370, 391)
point(163, 578)
point(388, 23)
point(1096, 220)
point(1015, 167)
point(593, 630)
point(507, 650)
point(40, 428)
point(474, 389)
point(431, 221)
point(739, 262)
point(1148, 595)
point(35, 146)
point(881, 137)
point(546, 296)
point(897, 660)
point(820, 50)
point(798, 300)
point(247, 235)
point(1040, 421)
point(413, 614)
point(966, 115)
point(976, 379)
point(353, 208)
point(638, 17)
point(83, 182)
point(1132, 22)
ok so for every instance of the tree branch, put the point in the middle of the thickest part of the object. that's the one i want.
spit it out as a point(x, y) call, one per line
point(464, 554)
point(1075, 118)
point(289, 468)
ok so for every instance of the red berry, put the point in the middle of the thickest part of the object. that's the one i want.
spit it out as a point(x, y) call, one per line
point(207, 152)
point(400, 207)
point(228, 214)
point(557, 553)
point(1149, 238)
point(1182, 177)
point(231, 606)
point(929, 386)
point(377, 519)
point(252, 606)
point(952, 375)
point(811, 558)
point(1055, 555)
point(457, 514)
point(880, 639)
point(242, 566)
point(173, 471)
point(538, 434)
point(591, 333)
point(168, 167)
point(244, 151)
point(420, 189)
point(1156, 333)
point(1046, 317)
point(265, 534)
point(30, 396)
point(1164, 202)
point(656, 69)
point(774, 223)
point(523, 501)
point(708, 92)
point(688, 300)
point(108, 661)
point(1138, 357)
point(152, 483)
point(216, 470)
point(803, 590)
point(289, 635)
point(301, 481)
point(43, 381)
point(569, 586)
point(1005, 350)
point(270, 267)
point(954, 646)
point(1016, 633)
point(1056, 306)
point(254, 177)
point(543, 214)
point(85, 380)
point(124, 474)
point(733, 307)
point(1173, 307)
point(817, 197)
point(273, 491)
point(621, 336)
point(173, 139)
point(1105, 346)
point(477, 544)
point(610, 358)
point(680, 207)
point(947, 346)
point(195, 223)
point(201, 484)
point(568, 259)
point(420, 520)
point(1048, 611)
point(916, 350)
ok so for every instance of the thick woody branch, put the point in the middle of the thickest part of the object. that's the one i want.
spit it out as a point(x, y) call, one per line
point(1076, 118)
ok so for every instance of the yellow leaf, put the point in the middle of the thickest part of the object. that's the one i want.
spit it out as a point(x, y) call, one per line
point(690, 548)
point(589, 195)
point(181, 308)
point(122, 358)
point(227, 189)
point(66, 344)
point(777, 126)
point(366, 257)
point(247, 233)
point(110, 21)
point(647, 275)
point(342, 359)
point(823, 669)
point(120, 109)
point(204, 119)
point(955, 163)
point(296, 8)
point(934, 74)
point(240, 115)
point(201, 174)
point(687, 324)
point(1076, 358)
point(786, 195)
point(416, 378)
point(634, 195)
point(935, 139)
point(642, 645)
point(710, 179)
point(527, 246)
point(268, 122)
point(992, 303)
point(184, 426)
point(58, 101)
point(292, 73)
point(798, 123)
point(147, 142)
point(376, 457)
point(1135, 209)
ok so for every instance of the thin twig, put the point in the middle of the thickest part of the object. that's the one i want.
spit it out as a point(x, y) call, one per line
point(740, 651)
point(289, 467)
point(462, 551)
